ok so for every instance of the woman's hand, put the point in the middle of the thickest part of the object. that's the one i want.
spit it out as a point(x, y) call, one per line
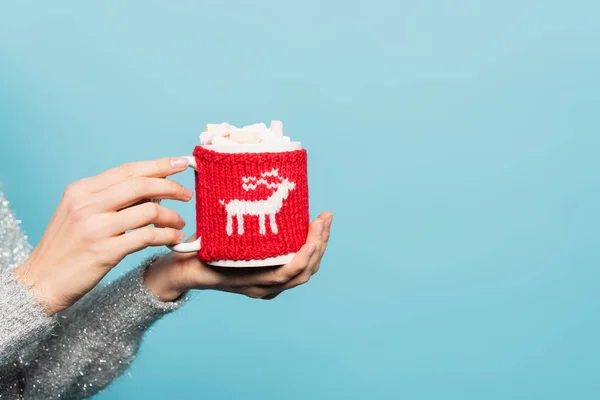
point(88, 234)
point(175, 273)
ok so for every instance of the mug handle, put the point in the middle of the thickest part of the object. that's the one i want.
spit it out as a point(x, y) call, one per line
point(195, 245)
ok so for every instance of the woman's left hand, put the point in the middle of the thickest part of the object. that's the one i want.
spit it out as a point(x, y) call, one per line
point(176, 273)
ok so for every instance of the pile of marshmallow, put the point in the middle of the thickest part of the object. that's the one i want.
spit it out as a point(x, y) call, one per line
point(220, 134)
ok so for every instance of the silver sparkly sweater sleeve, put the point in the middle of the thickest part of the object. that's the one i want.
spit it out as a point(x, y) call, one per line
point(22, 320)
point(95, 340)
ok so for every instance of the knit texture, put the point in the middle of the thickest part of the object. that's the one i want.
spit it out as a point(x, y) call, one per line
point(22, 320)
point(80, 350)
point(103, 333)
point(250, 206)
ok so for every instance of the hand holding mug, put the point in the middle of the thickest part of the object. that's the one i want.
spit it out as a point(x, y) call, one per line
point(98, 222)
point(251, 211)
point(175, 273)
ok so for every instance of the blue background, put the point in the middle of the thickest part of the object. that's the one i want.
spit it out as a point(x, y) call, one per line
point(456, 141)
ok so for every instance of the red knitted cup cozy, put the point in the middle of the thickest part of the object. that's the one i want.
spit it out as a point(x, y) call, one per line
point(250, 206)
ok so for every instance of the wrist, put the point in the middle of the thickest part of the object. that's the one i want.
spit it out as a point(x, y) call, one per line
point(29, 277)
point(159, 279)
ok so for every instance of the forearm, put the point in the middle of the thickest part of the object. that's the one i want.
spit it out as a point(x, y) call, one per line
point(96, 339)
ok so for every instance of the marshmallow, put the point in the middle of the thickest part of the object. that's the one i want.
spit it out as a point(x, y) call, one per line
point(255, 128)
point(213, 130)
point(224, 133)
point(245, 136)
point(218, 140)
point(277, 128)
point(267, 136)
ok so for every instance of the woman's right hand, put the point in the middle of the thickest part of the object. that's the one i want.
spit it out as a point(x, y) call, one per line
point(98, 222)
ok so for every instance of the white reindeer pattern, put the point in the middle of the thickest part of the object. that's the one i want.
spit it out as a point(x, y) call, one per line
point(261, 208)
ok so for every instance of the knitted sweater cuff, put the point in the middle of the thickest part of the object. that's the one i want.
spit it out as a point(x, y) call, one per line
point(22, 319)
point(126, 307)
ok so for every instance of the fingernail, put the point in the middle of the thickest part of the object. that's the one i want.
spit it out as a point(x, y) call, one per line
point(311, 250)
point(179, 162)
point(328, 221)
point(188, 193)
point(319, 227)
point(181, 236)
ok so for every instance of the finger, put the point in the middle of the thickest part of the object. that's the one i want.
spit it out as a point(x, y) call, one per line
point(268, 292)
point(327, 218)
point(271, 296)
point(139, 239)
point(300, 262)
point(254, 292)
point(137, 203)
point(315, 232)
point(145, 214)
point(159, 168)
point(246, 277)
point(129, 192)
point(315, 235)
point(311, 261)
point(275, 290)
